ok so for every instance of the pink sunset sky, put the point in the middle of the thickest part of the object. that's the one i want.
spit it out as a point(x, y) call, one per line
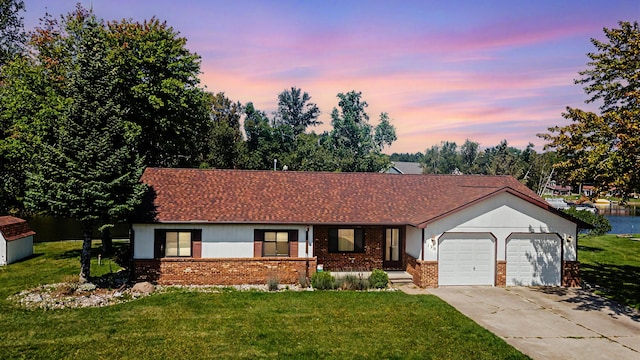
point(442, 70)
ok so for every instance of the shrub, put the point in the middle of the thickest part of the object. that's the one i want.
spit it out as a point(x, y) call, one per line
point(353, 282)
point(379, 279)
point(323, 281)
point(273, 283)
point(600, 223)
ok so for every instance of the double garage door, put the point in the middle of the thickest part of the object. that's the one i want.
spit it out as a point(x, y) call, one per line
point(469, 259)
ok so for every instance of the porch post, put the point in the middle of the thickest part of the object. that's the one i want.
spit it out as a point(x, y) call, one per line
point(306, 250)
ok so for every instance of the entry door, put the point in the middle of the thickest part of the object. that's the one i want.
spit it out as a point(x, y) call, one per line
point(392, 249)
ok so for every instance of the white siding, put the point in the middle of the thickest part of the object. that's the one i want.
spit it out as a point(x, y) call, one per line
point(12, 251)
point(3, 250)
point(502, 215)
point(218, 240)
point(413, 245)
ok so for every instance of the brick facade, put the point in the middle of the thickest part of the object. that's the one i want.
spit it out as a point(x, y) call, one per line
point(501, 273)
point(368, 260)
point(571, 273)
point(424, 273)
point(232, 271)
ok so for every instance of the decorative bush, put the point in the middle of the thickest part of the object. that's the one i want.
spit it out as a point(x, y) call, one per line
point(273, 283)
point(378, 279)
point(323, 281)
point(353, 282)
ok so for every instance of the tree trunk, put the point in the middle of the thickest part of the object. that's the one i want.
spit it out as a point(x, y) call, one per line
point(107, 243)
point(85, 257)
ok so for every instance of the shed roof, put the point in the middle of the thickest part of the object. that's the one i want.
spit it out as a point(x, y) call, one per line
point(13, 228)
point(287, 197)
point(405, 167)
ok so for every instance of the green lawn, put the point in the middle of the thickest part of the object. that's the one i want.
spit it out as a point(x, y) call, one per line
point(232, 324)
point(612, 264)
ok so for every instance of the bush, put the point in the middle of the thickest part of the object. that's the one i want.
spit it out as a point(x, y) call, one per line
point(600, 223)
point(323, 281)
point(379, 279)
point(273, 284)
point(353, 282)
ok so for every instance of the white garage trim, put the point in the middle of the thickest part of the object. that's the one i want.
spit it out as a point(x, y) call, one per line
point(534, 259)
point(466, 259)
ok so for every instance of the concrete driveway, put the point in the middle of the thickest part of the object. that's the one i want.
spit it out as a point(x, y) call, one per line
point(551, 323)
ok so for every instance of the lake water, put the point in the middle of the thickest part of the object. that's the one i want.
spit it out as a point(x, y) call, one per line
point(623, 219)
point(624, 224)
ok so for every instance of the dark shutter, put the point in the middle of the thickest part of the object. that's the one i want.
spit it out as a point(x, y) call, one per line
point(158, 243)
point(293, 243)
point(258, 239)
point(196, 243)
point(333, 240)
point(358, 241)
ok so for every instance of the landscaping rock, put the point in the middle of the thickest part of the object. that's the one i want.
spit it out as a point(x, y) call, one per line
point(86, 287)
point(143, 288)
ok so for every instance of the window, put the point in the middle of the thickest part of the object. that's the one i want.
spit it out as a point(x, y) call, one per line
point(346, 240)
point(276, 243)
point(177, 243)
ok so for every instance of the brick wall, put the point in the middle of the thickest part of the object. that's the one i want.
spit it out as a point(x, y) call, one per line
point(571, 273)
point(235, 271)
point(370, 259)
point(425, 273)
point(501, 273)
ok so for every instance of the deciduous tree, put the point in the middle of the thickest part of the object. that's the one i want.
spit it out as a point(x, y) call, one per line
point(353, 139)
point(157, 77)
point(226, 147)
point(296, 110)
point(605, 147)
point(12, 35)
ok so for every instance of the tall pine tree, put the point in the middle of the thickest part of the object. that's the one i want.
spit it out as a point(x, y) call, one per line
point(88, 172)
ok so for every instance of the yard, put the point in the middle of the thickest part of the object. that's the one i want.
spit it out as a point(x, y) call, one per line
point(233, 324)
point(612, 266)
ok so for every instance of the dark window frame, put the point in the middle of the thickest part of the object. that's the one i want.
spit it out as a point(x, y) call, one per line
point(292, 236)
point(359, 243)
point(160, 242)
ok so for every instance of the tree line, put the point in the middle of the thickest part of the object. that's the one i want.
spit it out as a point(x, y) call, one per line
point(530, 167)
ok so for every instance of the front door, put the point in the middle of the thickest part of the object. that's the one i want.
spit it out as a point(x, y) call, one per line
point(392, 249)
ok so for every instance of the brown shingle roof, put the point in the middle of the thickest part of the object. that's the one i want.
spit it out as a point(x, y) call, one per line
point(241, 196)
point(14, 228)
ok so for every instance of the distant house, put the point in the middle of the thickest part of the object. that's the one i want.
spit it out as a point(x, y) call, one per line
point(246, 227)
point(556, 190)
point(403, 167)
point(16, 239)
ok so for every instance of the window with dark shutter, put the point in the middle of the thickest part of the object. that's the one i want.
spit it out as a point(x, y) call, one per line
point(176, 243)
point(346, 240)
point(269, 242)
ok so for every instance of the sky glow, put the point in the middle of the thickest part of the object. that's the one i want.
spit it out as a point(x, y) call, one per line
point(442, 70)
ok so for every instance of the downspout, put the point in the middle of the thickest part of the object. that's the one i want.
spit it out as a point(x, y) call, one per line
point(422, 244)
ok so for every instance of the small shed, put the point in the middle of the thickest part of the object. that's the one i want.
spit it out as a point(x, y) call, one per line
point(16, 239)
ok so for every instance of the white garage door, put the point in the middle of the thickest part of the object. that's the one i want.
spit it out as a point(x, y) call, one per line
point(466, 259)
point(533, 260)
